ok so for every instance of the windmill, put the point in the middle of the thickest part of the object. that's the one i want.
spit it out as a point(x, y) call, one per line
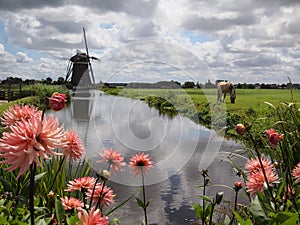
point(80, 72)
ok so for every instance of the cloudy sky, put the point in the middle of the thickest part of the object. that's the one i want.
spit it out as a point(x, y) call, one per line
point(148, 40)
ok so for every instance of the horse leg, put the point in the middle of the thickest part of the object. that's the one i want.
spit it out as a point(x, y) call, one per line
point(219, 95)
point(224, 96)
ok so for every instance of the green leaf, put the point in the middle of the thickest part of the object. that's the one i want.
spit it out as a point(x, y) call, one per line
point(140, 203)
point(38, 177)
point(226, 220)
point(258, 213)
point(40, 222)
point(59, 211)
point(270, 104)
point(6, 185)
point(286, 218)
point(240, 219)
point(198, 210)
point(208, 210)
point(147, 204)
point(121, 204)
point(26, 189)
point(72, 220)
point(3, 220)
point(206, 198)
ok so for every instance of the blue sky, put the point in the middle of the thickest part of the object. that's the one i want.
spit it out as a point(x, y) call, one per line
point(149, 40)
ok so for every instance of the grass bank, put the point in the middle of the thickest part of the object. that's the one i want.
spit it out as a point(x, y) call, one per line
point(42, 92)
point(201, 104)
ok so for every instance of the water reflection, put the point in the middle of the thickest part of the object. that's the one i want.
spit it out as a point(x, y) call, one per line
point(177, 146)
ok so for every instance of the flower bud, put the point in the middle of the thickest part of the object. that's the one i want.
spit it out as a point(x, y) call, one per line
point(238, 185)
point(57, 101)
point(240, 129)
point(106, 174)
point(51, 194)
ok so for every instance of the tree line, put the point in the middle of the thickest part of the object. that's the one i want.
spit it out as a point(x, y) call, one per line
point(160, 84)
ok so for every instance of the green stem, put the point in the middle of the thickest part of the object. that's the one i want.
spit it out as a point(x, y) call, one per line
point(101, 196)
point(98, 177)
point(144, 199)
point(31, 192)
point(203, 201)
point(235, 205)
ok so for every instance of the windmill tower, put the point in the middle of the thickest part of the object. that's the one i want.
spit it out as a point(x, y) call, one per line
point(80, 72)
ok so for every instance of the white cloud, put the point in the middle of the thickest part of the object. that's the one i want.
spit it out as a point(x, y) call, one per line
point(240, 40)
point(22, 57)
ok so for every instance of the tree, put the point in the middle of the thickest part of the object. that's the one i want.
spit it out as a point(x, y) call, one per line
point(49, 80)
point(189, 84)
point(60, 80)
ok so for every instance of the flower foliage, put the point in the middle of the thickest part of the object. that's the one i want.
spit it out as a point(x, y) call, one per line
point(33, 153)
point(273, 169)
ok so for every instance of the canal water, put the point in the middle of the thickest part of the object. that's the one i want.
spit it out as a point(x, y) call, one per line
point(180, 149)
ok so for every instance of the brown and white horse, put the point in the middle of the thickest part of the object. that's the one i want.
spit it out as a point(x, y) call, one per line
point(224, 88)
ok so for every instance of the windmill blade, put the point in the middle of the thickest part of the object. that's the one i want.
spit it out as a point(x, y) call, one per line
point(69, 71)
point(88, 57)
point(95, 58)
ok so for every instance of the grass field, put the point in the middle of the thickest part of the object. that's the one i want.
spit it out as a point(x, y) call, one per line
point(200, 103)
point(246, 98)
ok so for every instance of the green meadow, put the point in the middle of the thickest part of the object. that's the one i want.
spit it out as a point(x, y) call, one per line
point(245, 100)
point(200, 104)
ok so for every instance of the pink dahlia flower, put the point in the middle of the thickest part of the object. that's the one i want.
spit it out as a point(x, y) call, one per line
point(253, 165)
point(104, 193)
point(17, 112)
point(113, 158)
point(81, 183)
point(140, 163)
point(57, 101)
point(255, 177)
point(71, 203)
point(74, 148)
point(29, 140)
point(296, 171)
point(274, 137)
point(93, 217)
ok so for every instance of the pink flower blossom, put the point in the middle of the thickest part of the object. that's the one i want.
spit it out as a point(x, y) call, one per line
point(240, 129)
point(253, 165)
point(16, 113)
point(274, 137)
point(29, 140)
point(105, 194)
point(255, 177)
point(140, 163)
point(74, 148)
point(81, 183)
point(113, 158)
point(57, 101)
point(255, 183)
point(296, 171)
point(71, 203)
point(93, 217)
